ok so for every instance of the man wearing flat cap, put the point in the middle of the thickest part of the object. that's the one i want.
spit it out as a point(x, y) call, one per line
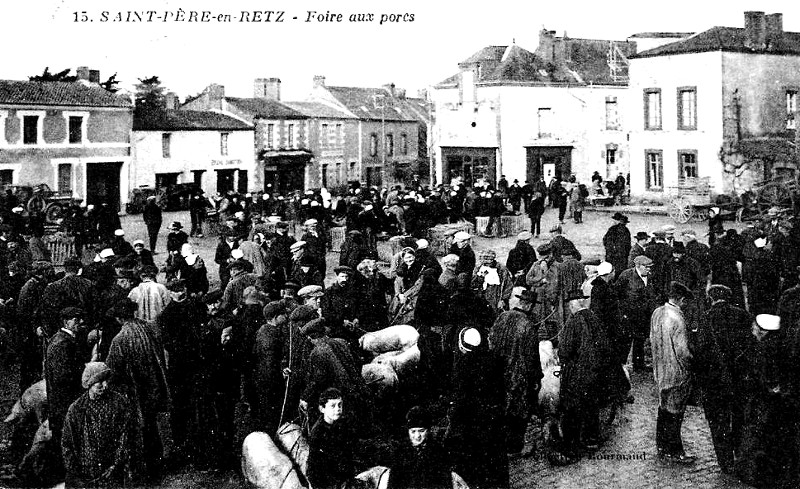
point(617, 242)
point(521, 257)
point(341, 305)
point(672, 370)
point(637, 297)
point(63, 367)
point(311, 295)
point(466, 256)
point(100, 451)
point(720, 342)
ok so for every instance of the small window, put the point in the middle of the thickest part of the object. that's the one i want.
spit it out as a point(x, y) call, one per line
point(65, 178)
point(390, 145)
point(339, 134)
point(654, 162)
point(325, 175)
point(373, 144)
point(688, 164)
point(404, 144)
point(687, 108)
point(791, 109)
point(30, 129)
point(75, 130)
point(270, 136)
point(652, 108)
point(223, 143)
point(323, 136)
point(612, 114)
point(290, 136)
point(545, 119)
point(166, 139)
point(611, 157)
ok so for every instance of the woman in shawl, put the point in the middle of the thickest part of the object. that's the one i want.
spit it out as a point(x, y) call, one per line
point(193, 271)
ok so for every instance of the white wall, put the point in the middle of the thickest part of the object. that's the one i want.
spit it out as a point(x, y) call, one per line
point(703, 70)
point(190, 150)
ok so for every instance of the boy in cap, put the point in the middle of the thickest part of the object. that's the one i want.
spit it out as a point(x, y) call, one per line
point(100, 451)
point(331, 444)
point(422, 462)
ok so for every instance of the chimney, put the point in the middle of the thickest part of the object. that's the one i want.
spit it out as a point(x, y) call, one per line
point(94, 76)
point(401, 93)
point(390, 88)
point(774, 28)
point(422, 93)
point(268, 88)
point(82, 73)
point(215, 92)
point(319, 81)
point(546, 48)
point(170, 101)
point(755, 30)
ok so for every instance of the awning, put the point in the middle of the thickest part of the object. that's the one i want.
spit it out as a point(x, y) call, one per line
point(269, 153)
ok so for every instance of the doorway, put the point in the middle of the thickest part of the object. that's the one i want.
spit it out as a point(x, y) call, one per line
point(102, 184)
point(548, 161)
point(224, 181)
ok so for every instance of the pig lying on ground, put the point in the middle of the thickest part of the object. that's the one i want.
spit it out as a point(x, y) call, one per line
point(550, 390)
point(33, 401)
point(402, 361)
point(393, 338)
point(265, 466)
point(291, 440)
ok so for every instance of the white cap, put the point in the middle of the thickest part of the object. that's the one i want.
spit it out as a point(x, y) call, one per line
point(310, 222)
point(265, 196)
point(90, 207)
point(237, 253)
point(138, 242)
point(297, 245)
point(604, 268)
point(239, 214)
point(107, 252)
point(304, 202)
point(760, 242)
point(422, 244)
point(768, 322)
point(461, 236)
point(119, 232)
point(314, 203)
point(17, 209)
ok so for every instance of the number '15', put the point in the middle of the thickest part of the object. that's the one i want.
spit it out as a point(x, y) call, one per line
point(80, 17)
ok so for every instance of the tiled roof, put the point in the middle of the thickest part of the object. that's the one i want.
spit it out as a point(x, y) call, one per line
point(361, 102)
point(419, 107)
point(188, 120)
point(78, 94)
point(585, 61)
point(265, 108)
point(319, 110)
point(487, 53)
point(730, 39)
point(661, 35)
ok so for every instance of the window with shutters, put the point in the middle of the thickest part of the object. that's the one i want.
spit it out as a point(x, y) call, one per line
point(687, 108)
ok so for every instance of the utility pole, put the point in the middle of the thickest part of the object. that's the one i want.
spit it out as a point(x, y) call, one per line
point(380, 103)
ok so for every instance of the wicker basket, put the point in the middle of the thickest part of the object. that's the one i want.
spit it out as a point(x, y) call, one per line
point(513, 225)
point(61, 247)
point(337, 238)
point(440, 237)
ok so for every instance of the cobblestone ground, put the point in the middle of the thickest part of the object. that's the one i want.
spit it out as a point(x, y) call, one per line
point(631, 437)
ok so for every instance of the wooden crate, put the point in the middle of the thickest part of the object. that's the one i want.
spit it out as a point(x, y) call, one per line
point(513, 225)
point(337, 238)
point(61, 247)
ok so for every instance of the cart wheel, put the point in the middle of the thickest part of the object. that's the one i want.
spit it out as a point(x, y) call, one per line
point(53, 213)
point(36, 204)
point(681, 210)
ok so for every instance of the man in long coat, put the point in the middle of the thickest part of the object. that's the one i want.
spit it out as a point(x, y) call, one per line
point(341, 305)
point(266, 361)
point(72, 290)
point(617, 242)
point(638, 298)
point(569, 276)
point(761, 272)
point(723, 260)
point(586, 354)
point(521, 257)
point(660, 252)
point(637, 248)
point(722, 339)
point(672, 358)
point(136, 356)
point(514, 339)
point(29, 320)
point(605, 305)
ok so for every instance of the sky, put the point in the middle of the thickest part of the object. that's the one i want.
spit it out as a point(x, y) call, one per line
point(412, 54)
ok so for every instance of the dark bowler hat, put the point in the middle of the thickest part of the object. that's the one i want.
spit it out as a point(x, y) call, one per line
point(642, 235)
point(618, 216)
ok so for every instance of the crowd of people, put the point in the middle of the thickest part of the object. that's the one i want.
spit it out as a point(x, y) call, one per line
point(144, 376)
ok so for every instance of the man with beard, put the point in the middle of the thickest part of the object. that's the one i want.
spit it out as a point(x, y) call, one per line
point(617, 242)
point(136, 357)
point(721, 341)
point(377, 290)
point(461, 248)
point(638, 298)
point(180, 324)
point(514, 340)
point(341, 306)
point(63, 367)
